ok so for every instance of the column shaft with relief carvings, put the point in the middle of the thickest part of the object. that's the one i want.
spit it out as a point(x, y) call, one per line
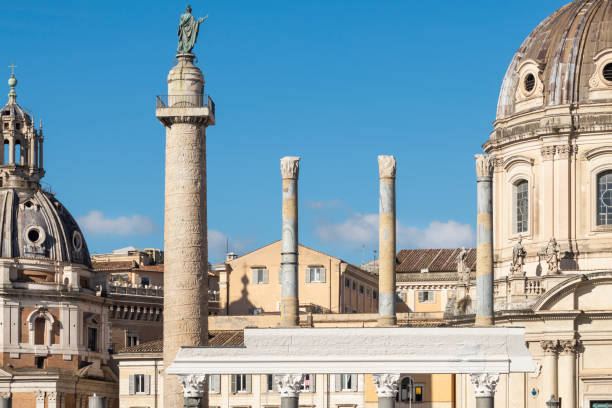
point(387, 386)
point(484, 389)
point(386, 242)
point(289, 388)
point(567, 373)
point(289, 309)
point(484, 241)
point(549, 368)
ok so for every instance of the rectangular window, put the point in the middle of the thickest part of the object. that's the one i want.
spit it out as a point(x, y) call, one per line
point(214, 384)
point(139, 383)
point(315, 274)
point(270, 383)
point(260, 275)
point(145, 281)
point(308, 383)
point(520, 192)
point(92, 338)
point(241, 382)
point(347, 283)
point(348, 382)
point(427, 296)
point(419, 391)
point(131, 341)
point(374, 294)
point(361, 289)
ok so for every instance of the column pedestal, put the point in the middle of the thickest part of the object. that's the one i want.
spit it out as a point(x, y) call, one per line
point(484, 388)
point(386, 389)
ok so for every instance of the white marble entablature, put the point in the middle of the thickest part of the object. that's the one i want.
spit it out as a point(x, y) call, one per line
point(363, 350)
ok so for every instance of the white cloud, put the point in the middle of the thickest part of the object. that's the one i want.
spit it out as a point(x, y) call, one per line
point(361, 229)
point(95, 223)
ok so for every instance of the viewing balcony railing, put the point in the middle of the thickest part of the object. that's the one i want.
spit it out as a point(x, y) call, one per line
point(185, 101)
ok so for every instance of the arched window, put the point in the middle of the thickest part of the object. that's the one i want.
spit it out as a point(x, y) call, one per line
point(604, 198)
point(521, 206)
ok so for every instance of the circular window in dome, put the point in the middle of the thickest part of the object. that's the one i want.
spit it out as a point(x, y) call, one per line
point(35, 235)
point(530, 82)
point(77, 241)
point(607, 72)
point(28, 204)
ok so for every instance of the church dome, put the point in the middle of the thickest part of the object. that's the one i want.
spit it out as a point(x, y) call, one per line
point(565, 61)
point(34, 224)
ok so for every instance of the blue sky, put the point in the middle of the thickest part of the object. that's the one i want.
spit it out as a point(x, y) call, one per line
point(335, 82)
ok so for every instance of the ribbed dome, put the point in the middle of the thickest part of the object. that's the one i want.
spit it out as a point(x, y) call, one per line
point(16, 112)
point(562, 56)
point(33, 224)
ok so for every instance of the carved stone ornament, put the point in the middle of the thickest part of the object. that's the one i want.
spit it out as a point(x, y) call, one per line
point(548, 152)
point(518, 259)
point(52, 396)
point(568, 346)
point(193, 385)
point(289, 384)
point(386, 385)
point(40, 395)
point(484, 384)
point(386, 166)
point(549, 346)
point(290, 167)
point(484, 165)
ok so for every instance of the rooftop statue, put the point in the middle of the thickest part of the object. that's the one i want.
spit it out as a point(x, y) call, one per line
point(188, 31)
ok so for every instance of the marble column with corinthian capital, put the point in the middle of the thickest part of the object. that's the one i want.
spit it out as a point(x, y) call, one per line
point(386, 242)
point(387, 386)
point(289, 308)
point(484, 389)
point(289, 386)
point(484, 240)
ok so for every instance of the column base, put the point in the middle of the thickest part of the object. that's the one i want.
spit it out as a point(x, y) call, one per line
point(484, 321)
point(386, 321)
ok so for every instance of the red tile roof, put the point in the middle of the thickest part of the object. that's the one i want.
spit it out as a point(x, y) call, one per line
point(434, 260)
point(216, 338)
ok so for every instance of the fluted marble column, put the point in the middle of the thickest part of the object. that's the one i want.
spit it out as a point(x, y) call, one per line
point(567, 373)
point(484, 388)
point(194, 388)
point(386, 242)
point(289, 388)
point(484, 241)
point(387, 386)
point(290, 317)
point(549, 368)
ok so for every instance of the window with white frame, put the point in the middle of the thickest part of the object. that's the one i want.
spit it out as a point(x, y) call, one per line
point(259, 275)
point(214, 383)
point(315, 274)
point(520, 193)
point(308, 383)
point(270, 383)
point(139, 384)
point(427, 296)
point(604, 198)
point(241, 383)
point(346, 382)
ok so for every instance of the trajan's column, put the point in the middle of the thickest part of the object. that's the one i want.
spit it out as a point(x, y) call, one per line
point(185, 112)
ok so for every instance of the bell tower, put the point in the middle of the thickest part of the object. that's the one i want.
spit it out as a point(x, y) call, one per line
point(21, 155)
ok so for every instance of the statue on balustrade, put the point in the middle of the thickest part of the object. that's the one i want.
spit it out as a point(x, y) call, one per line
point(551, 252)
point(462, 269)
point(188, 31)
point(518, 259)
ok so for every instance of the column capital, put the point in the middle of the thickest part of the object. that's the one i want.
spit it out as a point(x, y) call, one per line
point(485, 384)
point(193, 385)
point(485, 164)
point(550, 347)
point(386, 166)
point(289, 384)
point(568, 346)
point(290, 167)
point(386, 385)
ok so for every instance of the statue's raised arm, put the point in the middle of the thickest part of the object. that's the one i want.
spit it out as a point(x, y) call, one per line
point(188, 31)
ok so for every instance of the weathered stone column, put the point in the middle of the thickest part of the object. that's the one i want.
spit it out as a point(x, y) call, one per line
point(289, 247)
point(95, 401)
point(484, 241)
point(289, 389)
point(484, 387)
point(386, 388)
point(549, 368)
point(386, 242)
point(185, 233)
point(194, 387)
point(567, 373)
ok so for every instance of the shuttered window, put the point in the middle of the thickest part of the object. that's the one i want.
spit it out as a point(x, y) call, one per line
point(345, 382)
point(315, 274)
point(259, 275)
point(214, 384)
point(140, 384)
point(427, 296)
point(241, 383)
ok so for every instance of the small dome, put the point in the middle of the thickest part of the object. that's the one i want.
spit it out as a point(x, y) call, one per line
point(566, 60)
point(34, 224)
point(14, 111)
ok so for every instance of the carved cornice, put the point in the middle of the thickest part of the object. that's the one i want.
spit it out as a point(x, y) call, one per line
point(550, 347)
point(386, 166)
point(386, 385)
point(193, 385)
point(484, 384)
point(168, 121)
point(290, 167)
point(289, 384)
point(484, 165)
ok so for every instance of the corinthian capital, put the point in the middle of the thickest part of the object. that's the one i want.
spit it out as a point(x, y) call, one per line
point(568, 346)
point(289, 384)
point(290, 167)
point(484, 384)
point(386, 166)
point(193, 385)
point(386, 384)
point(549, 346)
point(484, 165)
